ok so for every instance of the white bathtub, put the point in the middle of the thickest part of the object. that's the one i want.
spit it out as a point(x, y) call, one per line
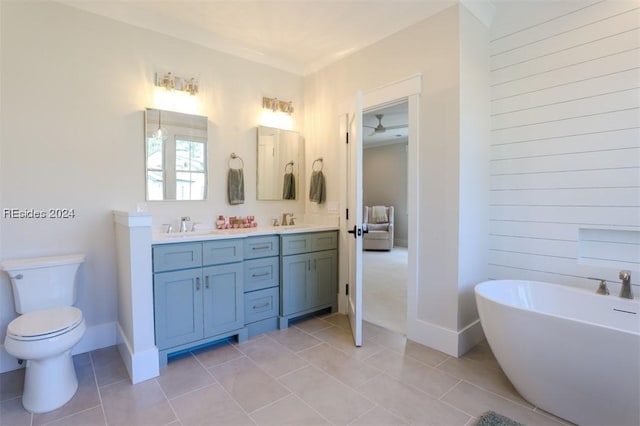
point(569, 351)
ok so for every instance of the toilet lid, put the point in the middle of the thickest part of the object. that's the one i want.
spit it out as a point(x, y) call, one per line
point(44, 322)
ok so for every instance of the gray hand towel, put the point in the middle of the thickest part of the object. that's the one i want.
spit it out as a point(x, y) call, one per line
point(289, 187)
point(317, 187)
point(235, 186)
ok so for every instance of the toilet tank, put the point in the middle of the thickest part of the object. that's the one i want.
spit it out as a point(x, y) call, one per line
point(43, 282)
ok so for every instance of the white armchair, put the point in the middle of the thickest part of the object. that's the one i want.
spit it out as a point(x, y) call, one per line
point(378, 220)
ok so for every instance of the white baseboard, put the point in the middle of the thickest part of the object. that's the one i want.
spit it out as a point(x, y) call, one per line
point(141, 365)
point(399, 242)
point(451, 342)
point(96, 337)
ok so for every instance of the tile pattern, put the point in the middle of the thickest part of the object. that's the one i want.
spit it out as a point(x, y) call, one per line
point(309, 374)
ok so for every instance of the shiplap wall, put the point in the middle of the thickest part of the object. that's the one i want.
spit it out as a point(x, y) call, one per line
point(565, 149)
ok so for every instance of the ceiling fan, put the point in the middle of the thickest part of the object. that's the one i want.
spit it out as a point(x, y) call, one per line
point(380, 128)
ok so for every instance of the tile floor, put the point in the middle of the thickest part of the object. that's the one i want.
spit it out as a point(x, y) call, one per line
point(308, 374)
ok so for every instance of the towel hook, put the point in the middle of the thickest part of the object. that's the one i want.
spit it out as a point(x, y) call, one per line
point(317, 160)
point(235, 156)
point(286, 169)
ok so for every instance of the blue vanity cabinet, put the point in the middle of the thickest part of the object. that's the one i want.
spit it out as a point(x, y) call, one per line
point(261, 283)
point(309, 274)
point(198, 294)
point(223, 298)
point(177, 302)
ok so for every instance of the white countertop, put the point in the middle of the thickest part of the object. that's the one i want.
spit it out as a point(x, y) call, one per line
point(221, 234)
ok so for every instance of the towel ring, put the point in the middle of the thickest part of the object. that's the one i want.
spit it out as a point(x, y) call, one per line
point(313, 166)
point(286, 167)
point(235, 156)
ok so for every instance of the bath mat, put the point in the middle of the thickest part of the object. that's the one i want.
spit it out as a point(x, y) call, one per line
point(494, 419)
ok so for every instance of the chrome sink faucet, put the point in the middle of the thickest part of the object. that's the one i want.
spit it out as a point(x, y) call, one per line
point(625, 290)
point(183, 223)
point(287, 219)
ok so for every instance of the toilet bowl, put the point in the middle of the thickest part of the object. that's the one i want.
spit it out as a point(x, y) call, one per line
point(44, 291)
point(44, 339)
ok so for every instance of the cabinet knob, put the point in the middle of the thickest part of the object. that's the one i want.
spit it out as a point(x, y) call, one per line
point(197, 283)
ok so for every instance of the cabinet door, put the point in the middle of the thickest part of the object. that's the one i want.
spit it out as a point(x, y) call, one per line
point(177, 298)
point(324, 280)
point(223, 299)
point(295, 273)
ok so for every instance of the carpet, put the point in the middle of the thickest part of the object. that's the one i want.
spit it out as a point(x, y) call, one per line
point(491, 418)
point(384, 288)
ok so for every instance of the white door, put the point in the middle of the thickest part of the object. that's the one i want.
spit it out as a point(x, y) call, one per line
point(353, 126)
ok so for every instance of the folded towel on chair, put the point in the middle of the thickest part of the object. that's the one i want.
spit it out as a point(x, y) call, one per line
point(379, 214)
point(235, 186)
point(289, 187)
point(317, 189)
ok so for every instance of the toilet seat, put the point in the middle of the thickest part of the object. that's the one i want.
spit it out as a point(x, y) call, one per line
point(45, 323)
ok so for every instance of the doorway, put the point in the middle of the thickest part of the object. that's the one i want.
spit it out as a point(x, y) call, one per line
point(384, 185)
point(350, 300)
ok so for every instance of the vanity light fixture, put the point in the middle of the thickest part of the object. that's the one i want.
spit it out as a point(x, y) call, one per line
point(170, 82)
point(190, 86)
point(276, 105)
point(167, 81)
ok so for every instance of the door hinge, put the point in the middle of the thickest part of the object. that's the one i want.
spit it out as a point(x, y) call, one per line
point(347, 289)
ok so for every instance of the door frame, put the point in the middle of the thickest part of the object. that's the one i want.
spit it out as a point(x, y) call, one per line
point(409, 89)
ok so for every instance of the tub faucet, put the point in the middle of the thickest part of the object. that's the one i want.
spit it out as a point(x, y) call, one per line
point(183, 223)
point(625, 290)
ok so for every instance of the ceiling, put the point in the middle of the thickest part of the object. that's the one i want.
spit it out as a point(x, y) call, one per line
point(299, 36)
point(395, 119)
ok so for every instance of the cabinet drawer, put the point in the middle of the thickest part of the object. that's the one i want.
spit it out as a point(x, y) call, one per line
point(169, 257)
point(324, 241)
point(222, 251)
point(261, 304)
point(261, 273)
point(256, 247)
point(296, 243)
point(306, 243)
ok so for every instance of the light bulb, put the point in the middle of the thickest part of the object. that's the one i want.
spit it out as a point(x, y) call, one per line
point(160, 133)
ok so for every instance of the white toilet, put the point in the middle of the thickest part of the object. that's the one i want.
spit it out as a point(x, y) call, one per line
point(44, 290)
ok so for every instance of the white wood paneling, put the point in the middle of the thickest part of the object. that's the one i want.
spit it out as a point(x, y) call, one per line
point(601, 141)
point(603, 178)
point(565, 144)
point(563, 92)
point(548, 231)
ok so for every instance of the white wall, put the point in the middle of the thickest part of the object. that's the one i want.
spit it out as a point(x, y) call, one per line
point(474, 163)
point(384, 181)
point(565, 146)
point(431, 48)
point(73, 90)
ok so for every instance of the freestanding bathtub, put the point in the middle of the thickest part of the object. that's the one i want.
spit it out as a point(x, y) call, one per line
point(571, 352)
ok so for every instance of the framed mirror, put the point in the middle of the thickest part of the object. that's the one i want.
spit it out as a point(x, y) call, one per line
point(175, 155)
point(279, 161)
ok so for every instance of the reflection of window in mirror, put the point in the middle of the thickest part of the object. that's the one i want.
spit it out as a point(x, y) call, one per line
point(190, 169)
point(176, 148)
point(279, 158)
